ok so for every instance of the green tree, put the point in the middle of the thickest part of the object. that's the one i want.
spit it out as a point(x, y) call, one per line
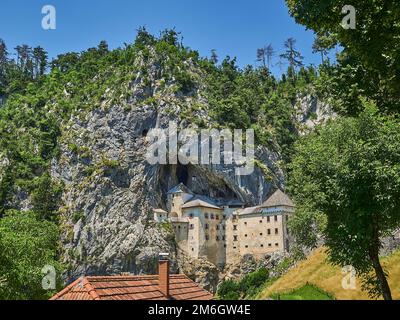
point(27, 245)
point(3, 64)
point(214, 56)
point(40, 61)
point(322, 45)
point(228, 290)
point(372, 49)
point(45, 198)
point(294, 57)
point(349, 171)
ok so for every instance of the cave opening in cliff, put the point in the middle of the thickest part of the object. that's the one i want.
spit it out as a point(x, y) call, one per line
point(145, 132)
point(182, 174)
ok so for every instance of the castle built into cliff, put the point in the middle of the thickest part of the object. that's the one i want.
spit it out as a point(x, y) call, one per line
point(224, 231)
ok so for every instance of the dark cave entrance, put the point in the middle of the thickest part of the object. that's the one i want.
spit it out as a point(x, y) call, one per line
point(182, 173)
point(145, 132)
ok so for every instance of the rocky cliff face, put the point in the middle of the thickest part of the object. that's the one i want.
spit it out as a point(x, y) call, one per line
point(110, 188)
point(311, 111)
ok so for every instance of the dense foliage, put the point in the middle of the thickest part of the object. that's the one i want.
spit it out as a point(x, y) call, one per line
point(248, 285)
point(345, 176)
point(27, 245)
point(370, 62)
point(350, 171)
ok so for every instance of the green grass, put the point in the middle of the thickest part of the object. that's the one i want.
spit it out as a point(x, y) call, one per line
point(307, 292)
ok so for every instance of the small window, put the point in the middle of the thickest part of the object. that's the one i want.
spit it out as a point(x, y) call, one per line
point(191, 216)
point(234, 247)
point(223, 216)
point(217, 227)
point(191, 226)
point(234, 227)
point(245, 223)
point(223, 238)
point(268, 219)
point(276, 231)
point(276, 218)
point(206, 215)
point(261, 234)
point(206, 226)
point(269, 231)
point(262, 246)
point(207, 237)
point(260, 221)
point(224, 245)
point(276, 244)
point(192, 249)
point(269, 244)
point(246, 246)
point(217, 238)
point(235, 238)
point(245, 235)
point(212, 216)
point(217, 217)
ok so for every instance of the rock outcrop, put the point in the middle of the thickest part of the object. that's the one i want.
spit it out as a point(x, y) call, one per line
point(110, 188)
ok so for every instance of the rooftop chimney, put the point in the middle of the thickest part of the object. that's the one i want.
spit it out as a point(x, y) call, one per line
point(163, 273)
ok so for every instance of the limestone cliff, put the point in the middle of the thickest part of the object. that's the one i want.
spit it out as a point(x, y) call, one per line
point(110, 188)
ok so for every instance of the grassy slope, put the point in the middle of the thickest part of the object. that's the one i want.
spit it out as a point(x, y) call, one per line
point(308, 292)
point(317, 271)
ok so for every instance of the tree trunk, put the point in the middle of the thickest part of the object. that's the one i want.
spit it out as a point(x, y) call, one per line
point(380, 274)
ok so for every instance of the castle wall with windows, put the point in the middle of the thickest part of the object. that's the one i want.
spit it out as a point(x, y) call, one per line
point(224, 234)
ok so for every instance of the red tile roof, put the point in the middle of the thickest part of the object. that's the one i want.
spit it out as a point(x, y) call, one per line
point(131, 288)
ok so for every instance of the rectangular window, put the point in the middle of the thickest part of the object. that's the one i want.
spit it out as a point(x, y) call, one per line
point(246, 246)
point(212, 216)
point(269, 231)
point(206, 226)
point(206, 215)
point(217, 238)
point(217, 217)
point(234, 227)
point(276, 231)
point(268, 219)
point(217, 227)
point(276, 218)
point(235, 238)
point(191, 226)
point(191, 216)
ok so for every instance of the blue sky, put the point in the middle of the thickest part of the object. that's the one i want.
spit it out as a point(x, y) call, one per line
point(235, 28)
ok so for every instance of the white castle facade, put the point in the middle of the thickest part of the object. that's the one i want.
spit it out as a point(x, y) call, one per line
point(224, 232)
